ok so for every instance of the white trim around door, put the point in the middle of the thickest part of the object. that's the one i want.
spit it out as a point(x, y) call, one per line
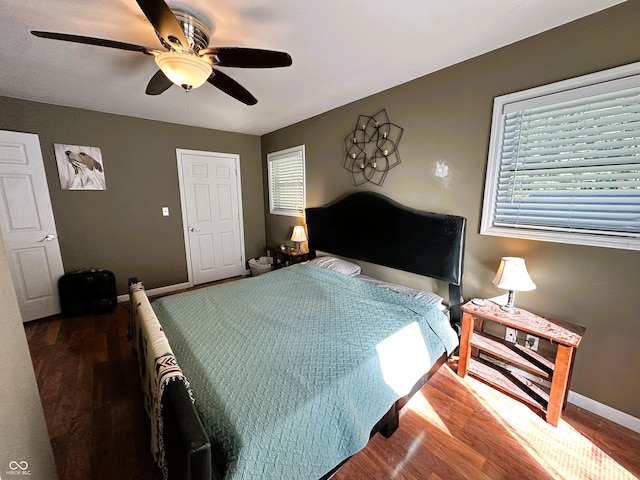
point(212, 219)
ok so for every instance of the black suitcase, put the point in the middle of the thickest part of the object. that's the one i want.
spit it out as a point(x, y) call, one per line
point(87, 292)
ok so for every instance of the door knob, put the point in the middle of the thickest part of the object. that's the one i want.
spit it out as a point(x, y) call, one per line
point(47, 238)
point(194, 229)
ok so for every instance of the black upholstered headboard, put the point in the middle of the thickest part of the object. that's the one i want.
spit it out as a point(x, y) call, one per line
point(371, 227)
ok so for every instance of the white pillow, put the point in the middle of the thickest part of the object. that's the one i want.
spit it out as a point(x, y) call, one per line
point(427, 297)
point(336, 264)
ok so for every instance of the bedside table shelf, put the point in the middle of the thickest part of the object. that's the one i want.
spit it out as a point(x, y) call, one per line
point(557, 371)
point(511, 383)
point(513, 353)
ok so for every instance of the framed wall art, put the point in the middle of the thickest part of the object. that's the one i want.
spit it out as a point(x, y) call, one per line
point(80, 168)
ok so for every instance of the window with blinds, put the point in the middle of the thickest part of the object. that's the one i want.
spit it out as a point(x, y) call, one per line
point(286, 182)
point(564, 162)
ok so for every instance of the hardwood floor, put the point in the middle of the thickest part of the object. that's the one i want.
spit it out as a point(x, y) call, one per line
point(88, 381)
point(452, 429)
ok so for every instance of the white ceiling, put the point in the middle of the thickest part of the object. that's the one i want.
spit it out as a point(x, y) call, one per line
point(342, 50)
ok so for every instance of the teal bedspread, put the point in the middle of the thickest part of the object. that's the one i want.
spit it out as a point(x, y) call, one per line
point(291, 370)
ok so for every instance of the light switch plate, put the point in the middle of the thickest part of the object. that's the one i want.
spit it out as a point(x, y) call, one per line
point(165, 211)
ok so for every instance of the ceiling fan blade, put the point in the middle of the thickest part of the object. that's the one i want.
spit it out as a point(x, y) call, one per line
point(229, 86)
point(164, 22)
point(158, 84)
point(100, 42)
point(245, 57)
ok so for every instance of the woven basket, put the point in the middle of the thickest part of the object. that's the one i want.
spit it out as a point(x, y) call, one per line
point(261, 265)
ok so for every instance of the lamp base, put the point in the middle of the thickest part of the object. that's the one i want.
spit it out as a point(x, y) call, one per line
point(508, 307)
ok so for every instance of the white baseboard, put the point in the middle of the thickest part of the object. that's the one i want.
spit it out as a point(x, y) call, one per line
point(605, 411)
point(158, 291)
point(168, 289)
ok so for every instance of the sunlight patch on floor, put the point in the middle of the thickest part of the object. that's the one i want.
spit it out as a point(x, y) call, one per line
point(421, 406)
point(440, 440)
point(560, 450)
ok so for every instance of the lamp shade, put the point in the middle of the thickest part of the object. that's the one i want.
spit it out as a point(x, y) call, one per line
point(512, 275)
point(184, 69)
point(298, 234)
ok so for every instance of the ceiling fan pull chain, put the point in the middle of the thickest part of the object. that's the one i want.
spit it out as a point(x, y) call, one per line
point(186, 96)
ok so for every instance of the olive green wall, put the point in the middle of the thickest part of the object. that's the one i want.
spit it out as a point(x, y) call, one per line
point(122, 229)
point(446, 117)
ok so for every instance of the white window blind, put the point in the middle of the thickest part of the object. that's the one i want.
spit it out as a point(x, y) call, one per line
point(287, 182)
point(564, 164)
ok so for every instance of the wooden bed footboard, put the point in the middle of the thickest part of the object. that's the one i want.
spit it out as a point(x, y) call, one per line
point(188, 451)
point(187, 446)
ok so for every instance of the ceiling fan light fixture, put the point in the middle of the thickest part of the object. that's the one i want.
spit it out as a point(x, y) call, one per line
point(184, 69)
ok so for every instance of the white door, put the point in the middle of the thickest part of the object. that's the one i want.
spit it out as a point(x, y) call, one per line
point(28, 226)
point(212, 214)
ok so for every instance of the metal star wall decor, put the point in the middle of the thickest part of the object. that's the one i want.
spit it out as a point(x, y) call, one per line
point(372, 148)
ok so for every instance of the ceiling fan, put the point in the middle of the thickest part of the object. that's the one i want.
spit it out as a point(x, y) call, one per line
point(187, 60)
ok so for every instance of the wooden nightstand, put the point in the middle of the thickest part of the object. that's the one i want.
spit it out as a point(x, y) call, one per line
point(557, 371)
point(288, 256)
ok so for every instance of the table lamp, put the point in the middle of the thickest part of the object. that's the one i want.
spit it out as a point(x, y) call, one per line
point(298, 236)
point(512, 275)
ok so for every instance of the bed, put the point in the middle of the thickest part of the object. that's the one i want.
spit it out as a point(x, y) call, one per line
point(293, 371)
